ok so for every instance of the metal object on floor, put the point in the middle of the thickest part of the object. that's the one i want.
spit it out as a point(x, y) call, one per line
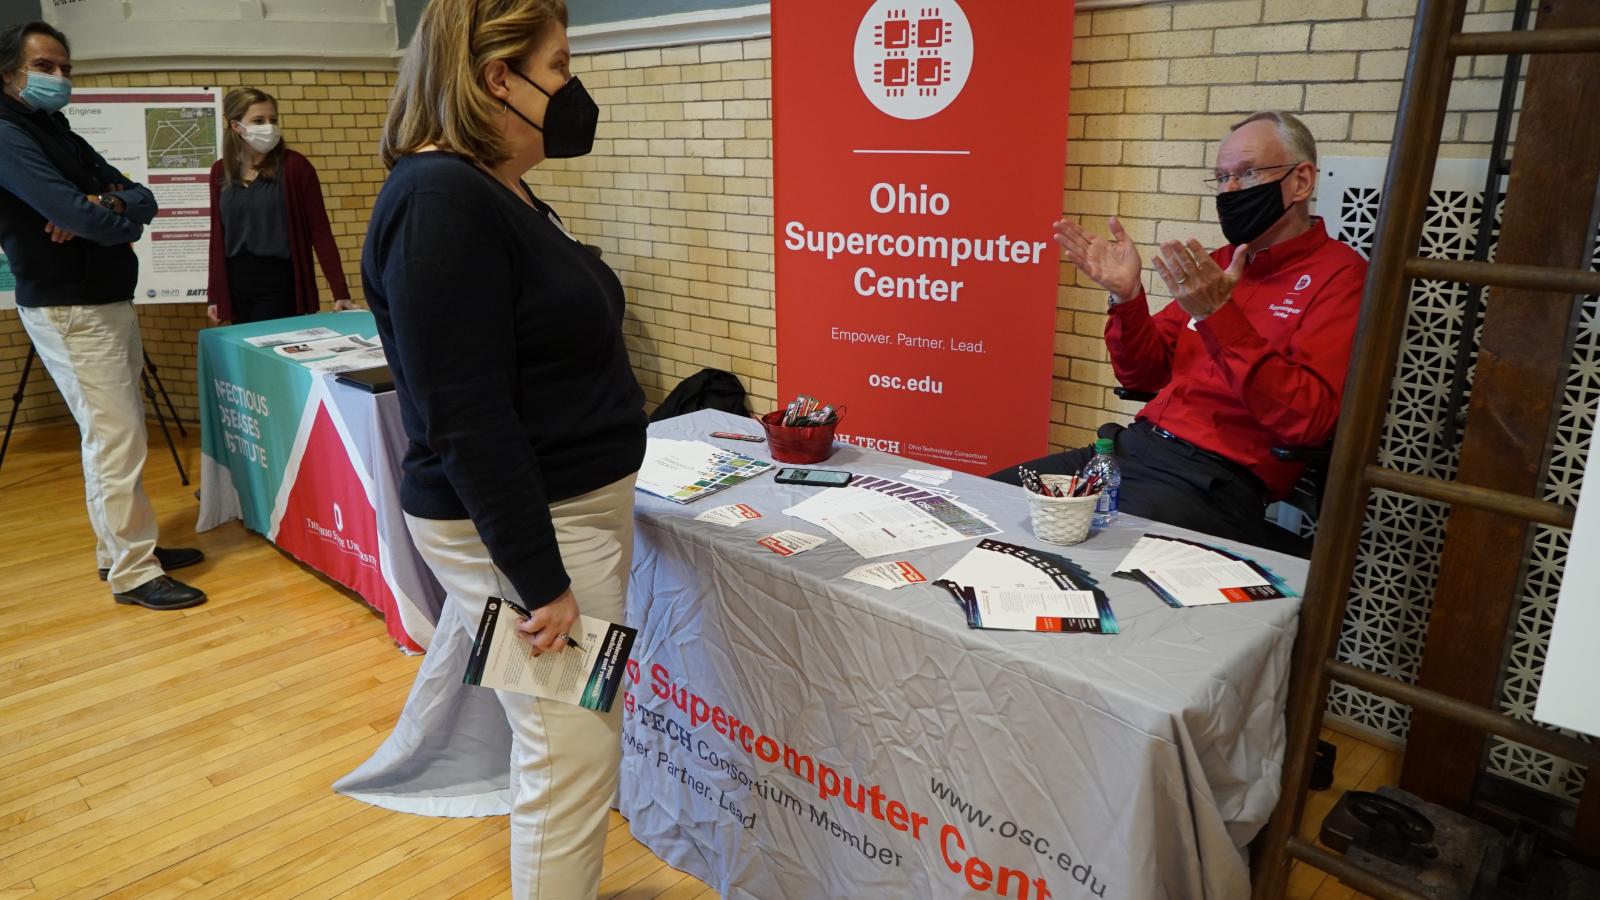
point(151, 382)
point(1386, 828)
point(1429, 851)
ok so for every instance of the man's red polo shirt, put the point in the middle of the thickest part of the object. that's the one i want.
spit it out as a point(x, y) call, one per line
point(1265, 370)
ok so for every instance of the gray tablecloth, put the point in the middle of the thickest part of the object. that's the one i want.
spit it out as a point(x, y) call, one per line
point(1136, 765)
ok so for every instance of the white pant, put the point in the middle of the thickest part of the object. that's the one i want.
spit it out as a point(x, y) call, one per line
point(95, 356)
point(564, 758)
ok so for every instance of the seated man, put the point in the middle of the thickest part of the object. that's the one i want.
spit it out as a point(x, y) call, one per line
point(1250, 355)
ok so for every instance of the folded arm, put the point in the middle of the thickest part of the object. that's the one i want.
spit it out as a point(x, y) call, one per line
point(28, 173)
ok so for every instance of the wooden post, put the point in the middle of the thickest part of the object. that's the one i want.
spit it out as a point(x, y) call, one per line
point(1548, 220)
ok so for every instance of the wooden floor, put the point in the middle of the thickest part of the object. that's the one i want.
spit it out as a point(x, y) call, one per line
point(147, 754)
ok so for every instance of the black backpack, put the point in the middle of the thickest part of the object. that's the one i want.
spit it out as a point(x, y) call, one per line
point(706, 389)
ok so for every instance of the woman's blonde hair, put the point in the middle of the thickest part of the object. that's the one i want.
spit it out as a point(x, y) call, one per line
point(439, 97)
point(235, 106)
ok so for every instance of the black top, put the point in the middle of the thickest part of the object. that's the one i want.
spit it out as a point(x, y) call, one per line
point(253, 218)
point(504, 336)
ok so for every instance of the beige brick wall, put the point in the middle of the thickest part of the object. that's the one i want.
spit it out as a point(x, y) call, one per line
point(334, 119)
point(1144, 132)
point(678, 193)
point(678, 190)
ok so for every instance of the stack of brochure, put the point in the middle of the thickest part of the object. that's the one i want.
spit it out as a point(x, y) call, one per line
point(1004, 586)
point(685, 471)
point(1187, 573)
point(323, 349)
point(879, 516)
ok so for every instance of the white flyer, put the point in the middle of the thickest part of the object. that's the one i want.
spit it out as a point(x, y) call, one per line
point(324, 348)
point(874, 524)
point(887, 575)
point(1033, 610)
point(788, 543)
point(267, 341)
point(685, 471)
point(368, 358)
point(1207, 583)
point(731, 515)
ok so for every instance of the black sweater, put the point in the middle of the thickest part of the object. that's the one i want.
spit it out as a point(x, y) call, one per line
point(505, 339)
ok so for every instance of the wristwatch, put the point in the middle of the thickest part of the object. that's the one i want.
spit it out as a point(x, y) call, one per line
point(110, 201)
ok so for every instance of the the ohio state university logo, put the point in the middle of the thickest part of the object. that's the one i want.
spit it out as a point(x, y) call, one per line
point(913, 58)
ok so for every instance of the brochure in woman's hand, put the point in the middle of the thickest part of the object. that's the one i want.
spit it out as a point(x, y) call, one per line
point(586, 673)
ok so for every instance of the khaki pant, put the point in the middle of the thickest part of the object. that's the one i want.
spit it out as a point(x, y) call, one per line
point(564, 758)
point(95, 357)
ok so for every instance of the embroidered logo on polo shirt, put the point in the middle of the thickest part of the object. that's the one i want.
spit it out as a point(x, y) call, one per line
point(1303, 283)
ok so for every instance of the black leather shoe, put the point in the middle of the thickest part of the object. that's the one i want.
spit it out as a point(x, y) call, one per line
point(170, 558)
point(162, 593)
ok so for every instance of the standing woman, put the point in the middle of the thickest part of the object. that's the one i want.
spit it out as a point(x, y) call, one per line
point(267, 217)
point(526, 425)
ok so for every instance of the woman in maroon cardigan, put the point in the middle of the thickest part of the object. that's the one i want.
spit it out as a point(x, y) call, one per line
point(267, 218)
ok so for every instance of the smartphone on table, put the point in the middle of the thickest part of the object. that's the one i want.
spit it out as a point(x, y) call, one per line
point(813, 477)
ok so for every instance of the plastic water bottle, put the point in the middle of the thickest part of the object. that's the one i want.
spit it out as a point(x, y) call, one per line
point(1104, 465)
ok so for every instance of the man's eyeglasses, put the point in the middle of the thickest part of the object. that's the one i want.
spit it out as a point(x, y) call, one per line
point(1249, 178)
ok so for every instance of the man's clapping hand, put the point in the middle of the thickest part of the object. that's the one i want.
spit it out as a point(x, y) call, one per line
point(1113, 264)
point(1198, 284)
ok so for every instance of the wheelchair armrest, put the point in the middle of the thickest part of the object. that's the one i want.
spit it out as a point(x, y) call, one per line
point(1134, 395)
point(1312, 455)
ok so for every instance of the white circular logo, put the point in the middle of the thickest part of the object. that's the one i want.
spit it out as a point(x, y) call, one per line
point(338, 518)
point(1303, 283)
point(913, 56)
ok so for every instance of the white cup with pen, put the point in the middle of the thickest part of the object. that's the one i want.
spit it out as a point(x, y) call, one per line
point(1061, 506)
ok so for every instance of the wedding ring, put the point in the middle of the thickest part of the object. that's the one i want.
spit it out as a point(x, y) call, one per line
point(1181, 280)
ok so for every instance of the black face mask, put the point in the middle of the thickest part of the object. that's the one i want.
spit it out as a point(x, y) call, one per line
point(1246, 214)
point(569, 119)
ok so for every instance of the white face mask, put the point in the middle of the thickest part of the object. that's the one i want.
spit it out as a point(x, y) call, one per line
point(262, 138)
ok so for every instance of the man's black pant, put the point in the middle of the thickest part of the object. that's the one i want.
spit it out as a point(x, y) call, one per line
point(1177, 483)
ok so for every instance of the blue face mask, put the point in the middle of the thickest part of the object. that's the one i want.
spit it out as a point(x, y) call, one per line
point(46, 92)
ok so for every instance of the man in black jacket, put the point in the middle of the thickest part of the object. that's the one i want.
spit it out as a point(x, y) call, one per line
point(67, 225)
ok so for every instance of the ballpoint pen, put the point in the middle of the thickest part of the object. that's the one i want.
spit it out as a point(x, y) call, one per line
point(523, 613)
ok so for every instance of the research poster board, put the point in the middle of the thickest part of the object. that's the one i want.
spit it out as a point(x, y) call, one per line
point(919, 153)
point(1571, 666)
point(165, 138)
